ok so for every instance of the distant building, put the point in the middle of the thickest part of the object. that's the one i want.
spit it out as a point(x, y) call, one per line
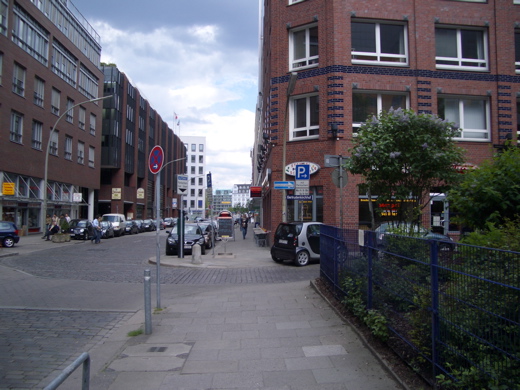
point(195, 199)
point(241, 195)
point(222, 200)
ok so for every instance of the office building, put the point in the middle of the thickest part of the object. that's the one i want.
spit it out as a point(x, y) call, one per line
point(241, 195)
point(195, 200)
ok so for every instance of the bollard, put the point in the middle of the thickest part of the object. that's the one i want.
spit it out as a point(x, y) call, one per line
point(196, 254)
point(147, 302)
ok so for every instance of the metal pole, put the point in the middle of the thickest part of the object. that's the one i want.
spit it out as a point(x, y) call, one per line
point(180, 230)
point(341, 192)
point(157, 230)
point(147, 302)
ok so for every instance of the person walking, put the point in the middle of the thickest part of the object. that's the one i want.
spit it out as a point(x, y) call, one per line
point(97, 230)
point(48, 222)
point(243, 225)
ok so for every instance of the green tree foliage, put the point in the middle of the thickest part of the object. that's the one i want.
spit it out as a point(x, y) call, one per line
point(491, 193)
point(402, 155)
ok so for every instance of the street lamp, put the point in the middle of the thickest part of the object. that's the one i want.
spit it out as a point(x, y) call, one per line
point(45, 177)
point(290, 90)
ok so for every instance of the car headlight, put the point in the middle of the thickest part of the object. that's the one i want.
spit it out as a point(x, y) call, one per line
point(81, 230)
point(172, 241)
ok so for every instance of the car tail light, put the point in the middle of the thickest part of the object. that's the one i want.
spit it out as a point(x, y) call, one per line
point(16, 231)
point(295, 241)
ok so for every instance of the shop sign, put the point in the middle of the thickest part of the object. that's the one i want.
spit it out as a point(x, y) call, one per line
point(8, 188)
point(140, 193)
point(116, 193)
point(290, 169)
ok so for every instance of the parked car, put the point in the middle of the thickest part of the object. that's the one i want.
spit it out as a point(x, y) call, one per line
point(107, 230)
point(169, 222)
point(81, 229)
point(131, 227)
point(193, 234)
point(8, 234)
point(140, 225)
point(209, 233)
point(118, 222)
point(297, 241)
point(404, 228)
point(149, 225)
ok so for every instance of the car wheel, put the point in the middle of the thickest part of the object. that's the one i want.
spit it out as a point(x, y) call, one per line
point(302, 258)
point(8, 242)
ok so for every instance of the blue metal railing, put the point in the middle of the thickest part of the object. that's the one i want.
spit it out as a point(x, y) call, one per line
point(452, 310)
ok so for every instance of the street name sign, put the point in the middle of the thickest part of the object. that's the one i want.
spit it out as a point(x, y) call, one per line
point(284, 185)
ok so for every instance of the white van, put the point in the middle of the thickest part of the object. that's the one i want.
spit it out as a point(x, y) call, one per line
point(118, 222)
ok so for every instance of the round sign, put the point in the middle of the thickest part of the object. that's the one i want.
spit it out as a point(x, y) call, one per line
point(156, 160)
point(336, 174)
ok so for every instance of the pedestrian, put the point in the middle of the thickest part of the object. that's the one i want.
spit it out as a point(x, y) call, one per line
point(67, 218)
point(53, 229)
point(243, 225)
point(48, 221)
point(97, 230)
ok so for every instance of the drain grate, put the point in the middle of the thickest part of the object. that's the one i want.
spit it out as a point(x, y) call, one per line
point(157, 349)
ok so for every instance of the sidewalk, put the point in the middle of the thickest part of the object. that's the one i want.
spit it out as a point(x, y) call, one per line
point(254, 336)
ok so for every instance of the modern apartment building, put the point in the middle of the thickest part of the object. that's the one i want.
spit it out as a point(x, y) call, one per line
point(50, 127)
point(326, 65)
point(131, 129)
point(195, 200)
point(241, 195)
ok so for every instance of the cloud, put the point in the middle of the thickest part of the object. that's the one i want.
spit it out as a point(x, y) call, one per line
point(212, 88)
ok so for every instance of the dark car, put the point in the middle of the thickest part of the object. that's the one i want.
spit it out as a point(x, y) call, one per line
point(107, 229)
point(8, 234)
point(297, 241)
point(149, 225)
point(169, 222)
point(131, 227)
point(81, 229)
point(209, 233)
point(405, 229)
point(193, 234)
point(140, 225)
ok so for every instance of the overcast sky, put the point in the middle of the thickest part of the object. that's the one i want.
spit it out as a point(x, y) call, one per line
point(195, 58)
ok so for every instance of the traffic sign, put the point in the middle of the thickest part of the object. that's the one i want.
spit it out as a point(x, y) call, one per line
point(156, 159)
point(284, 185)
point(303, 172)
point(182, 184)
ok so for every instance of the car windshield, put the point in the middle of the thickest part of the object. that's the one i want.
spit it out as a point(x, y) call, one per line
point(111, 218)
point(79, 224)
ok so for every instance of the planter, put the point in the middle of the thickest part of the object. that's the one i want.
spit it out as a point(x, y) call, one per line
point(61, 237)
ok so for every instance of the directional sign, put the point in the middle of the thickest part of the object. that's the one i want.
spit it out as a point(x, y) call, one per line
point(303, 172)
point(284, 185)
point(156, 159)
point(182, 184)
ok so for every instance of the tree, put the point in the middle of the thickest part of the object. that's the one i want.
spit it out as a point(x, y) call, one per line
point(403, 156)
point(490, 194)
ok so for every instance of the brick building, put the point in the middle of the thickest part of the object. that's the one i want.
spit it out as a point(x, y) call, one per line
point(326, 65)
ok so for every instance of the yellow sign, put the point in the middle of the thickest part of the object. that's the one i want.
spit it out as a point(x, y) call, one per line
point(116, 193)
point(8, 188)
point(225, 202)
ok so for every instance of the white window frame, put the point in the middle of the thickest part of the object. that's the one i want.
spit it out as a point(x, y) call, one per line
point(516, 1)
point(16, 130)
point(379, 103)
point(309, 61)
point(1, 64)
point(81, 152)
point(91, 156)
point(19, 74)
point(378, 57)
point(480, 64)
point(53, 149)
point(517, 49)
point(461, 121)
point(92, 124)
point(37, 132)
point(3, 17)
point(67, 154)
point(82, 115)
point(308, 129)
point(39, 91)
point(55, 101)
point(69, 117)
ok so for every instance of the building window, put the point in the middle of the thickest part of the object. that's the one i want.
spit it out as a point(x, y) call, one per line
point(68, 148)
point(88, 83)
point(64, 64)
point(39, 90)
point(55, 102)
point(82, 117)
point(303, 47)
point(193, 147)
point(70, 111)
point(1, 65)
point(81, 152)
point(30, 35)
point(461, 49)
point(304, 117)
point(91, 155)
point(54, 143)
point(378, 42)
point(201, 148)
point(192, 169)
point(201, 171)
point(367, 103)
point(201, 181)
point(18, 80)
point(516, 1)
point(192, 180)
point(36, 139)
point(16, 127)
point(93, 125)
point(517, 50)
point(201, 159)
point(471, 114)
point(192, 192)
point(193, 159)
point(3, 17)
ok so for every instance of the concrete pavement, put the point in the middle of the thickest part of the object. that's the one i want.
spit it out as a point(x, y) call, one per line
point(254, 336)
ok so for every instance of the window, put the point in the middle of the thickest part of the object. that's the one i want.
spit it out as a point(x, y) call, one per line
point(39, 90)
point(380, 43)
point(516, 1)
point(3, 17)
point(192, 192)
point(88, 83)
point(193, 147)
point(517, 50)
point(192, 170)
point(201, 182)
point(304, 117)
point(70, 111)
point(82, 117)
point(16, 127)
point(303, 44)
point(30, 35)
point(81, 152)
point(201, 159)
point(68, 148)
point(462, 49)
point(471, 114)
point(18, 80)
point(54, 143)
point(1, 64)
point(192, 181)
point(201, 170)
point(55, 102)
point(193, 159)
point(201, 147)
point(36, 138)
point(91, 155)
point(93, 125)
point(367, 103)
point(64, 63)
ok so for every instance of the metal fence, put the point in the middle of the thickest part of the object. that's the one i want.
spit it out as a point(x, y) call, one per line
point(452, 310)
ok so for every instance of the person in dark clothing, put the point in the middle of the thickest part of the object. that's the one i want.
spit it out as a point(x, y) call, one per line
point(243, 225)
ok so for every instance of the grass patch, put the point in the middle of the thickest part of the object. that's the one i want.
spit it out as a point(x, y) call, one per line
point(134, 333)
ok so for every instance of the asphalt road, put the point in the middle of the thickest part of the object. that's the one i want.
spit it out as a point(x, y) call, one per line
point(59, 301)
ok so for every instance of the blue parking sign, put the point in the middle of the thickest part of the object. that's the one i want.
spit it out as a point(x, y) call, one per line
point(303, 172)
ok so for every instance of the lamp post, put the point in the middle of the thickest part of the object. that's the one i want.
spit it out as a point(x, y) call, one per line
point(45, 177)
point(290, 90)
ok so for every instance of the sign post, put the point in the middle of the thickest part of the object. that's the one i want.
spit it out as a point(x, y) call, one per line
point(155, 163)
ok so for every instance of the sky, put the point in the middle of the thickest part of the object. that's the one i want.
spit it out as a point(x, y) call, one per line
point(197, 59)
